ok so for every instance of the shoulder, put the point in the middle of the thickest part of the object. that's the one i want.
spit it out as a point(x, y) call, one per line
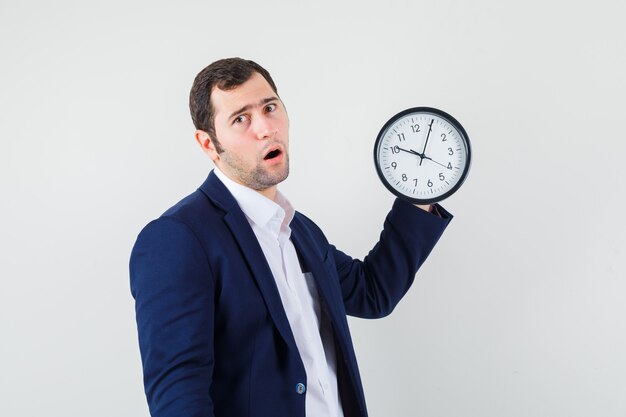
point(196, 212)
point(191, 219)
point(303, 224)
point(208, 202)
point(177, 228)
point(191, 209)
point(305, 221)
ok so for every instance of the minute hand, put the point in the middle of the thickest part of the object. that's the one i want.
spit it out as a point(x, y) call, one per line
point(430, 128)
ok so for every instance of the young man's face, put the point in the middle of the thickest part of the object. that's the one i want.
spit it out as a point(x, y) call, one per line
point(252, 128)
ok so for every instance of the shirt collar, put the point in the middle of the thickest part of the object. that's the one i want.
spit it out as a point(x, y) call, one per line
point(258, 208)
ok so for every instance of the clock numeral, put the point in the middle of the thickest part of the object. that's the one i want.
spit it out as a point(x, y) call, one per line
point(441, 177)
point(450, 151)
point(396, 149)
point(416, 128)
point(401, 136)
point(404, 177)
point(429, 183)
point(449, 165)
point(415, 180)
point(443, 137)
point(394, 165)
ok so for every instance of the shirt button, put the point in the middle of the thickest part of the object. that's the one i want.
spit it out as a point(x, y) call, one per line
point(300, 388)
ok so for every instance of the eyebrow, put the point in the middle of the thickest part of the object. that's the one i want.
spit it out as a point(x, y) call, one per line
point(249, 106)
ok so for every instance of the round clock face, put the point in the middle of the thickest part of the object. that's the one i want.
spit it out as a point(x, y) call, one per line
point(422, 155)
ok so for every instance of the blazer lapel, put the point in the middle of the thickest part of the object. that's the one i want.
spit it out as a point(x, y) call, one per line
point(309, 252)
point(252, 252)
point(314, 261)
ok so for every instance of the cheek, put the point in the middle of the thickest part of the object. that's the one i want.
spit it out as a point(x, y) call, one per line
point(284, 126)
point(248, 152)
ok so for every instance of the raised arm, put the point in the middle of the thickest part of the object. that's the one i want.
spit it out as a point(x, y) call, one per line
point(373, 287)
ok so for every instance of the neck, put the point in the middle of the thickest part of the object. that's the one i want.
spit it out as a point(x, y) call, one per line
point(269, 192)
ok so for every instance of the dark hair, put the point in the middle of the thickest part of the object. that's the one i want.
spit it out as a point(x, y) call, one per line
point(225, 74)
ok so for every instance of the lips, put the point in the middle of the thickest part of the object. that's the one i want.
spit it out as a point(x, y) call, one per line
point(273, 152)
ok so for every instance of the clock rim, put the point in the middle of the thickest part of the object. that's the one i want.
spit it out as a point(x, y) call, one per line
point(451, 120)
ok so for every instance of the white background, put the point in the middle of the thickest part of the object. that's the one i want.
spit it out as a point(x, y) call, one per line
point(520, 310)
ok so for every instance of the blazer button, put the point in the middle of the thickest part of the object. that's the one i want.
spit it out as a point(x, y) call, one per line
point(300, 388)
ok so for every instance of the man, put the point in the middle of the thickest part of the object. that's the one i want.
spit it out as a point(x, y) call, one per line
point(241, 302)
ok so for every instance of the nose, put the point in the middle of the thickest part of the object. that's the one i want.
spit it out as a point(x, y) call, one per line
point(264, 127)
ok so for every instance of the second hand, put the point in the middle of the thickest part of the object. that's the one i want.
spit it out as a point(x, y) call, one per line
point(422, 156)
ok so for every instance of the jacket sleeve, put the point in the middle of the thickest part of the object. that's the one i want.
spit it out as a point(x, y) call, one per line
point(373, 287)
point(174, 291)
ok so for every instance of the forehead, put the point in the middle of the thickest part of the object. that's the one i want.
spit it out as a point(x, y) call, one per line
point(249, 93)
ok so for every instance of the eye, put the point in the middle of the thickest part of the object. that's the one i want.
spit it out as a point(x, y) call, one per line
point(239, 119)
point(270, 107)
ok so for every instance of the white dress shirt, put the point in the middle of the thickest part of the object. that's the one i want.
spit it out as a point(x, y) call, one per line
point(312, 333)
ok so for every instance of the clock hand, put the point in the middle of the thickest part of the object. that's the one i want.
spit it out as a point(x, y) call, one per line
point(411, 151)
point(430, 128)
point(426, 157)
point(422, 156)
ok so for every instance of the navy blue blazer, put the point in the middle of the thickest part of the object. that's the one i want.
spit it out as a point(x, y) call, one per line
point(213, 335)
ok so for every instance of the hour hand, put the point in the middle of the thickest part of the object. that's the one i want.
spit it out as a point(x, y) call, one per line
point(411, 151)
point(421, 155)
point(404, 150)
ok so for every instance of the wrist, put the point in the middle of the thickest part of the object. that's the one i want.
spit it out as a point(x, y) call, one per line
point(425, 207)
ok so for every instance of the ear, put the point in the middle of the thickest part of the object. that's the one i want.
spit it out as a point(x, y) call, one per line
point(207, 145)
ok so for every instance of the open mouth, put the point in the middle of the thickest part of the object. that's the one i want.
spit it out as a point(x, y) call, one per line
point(272, 154)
